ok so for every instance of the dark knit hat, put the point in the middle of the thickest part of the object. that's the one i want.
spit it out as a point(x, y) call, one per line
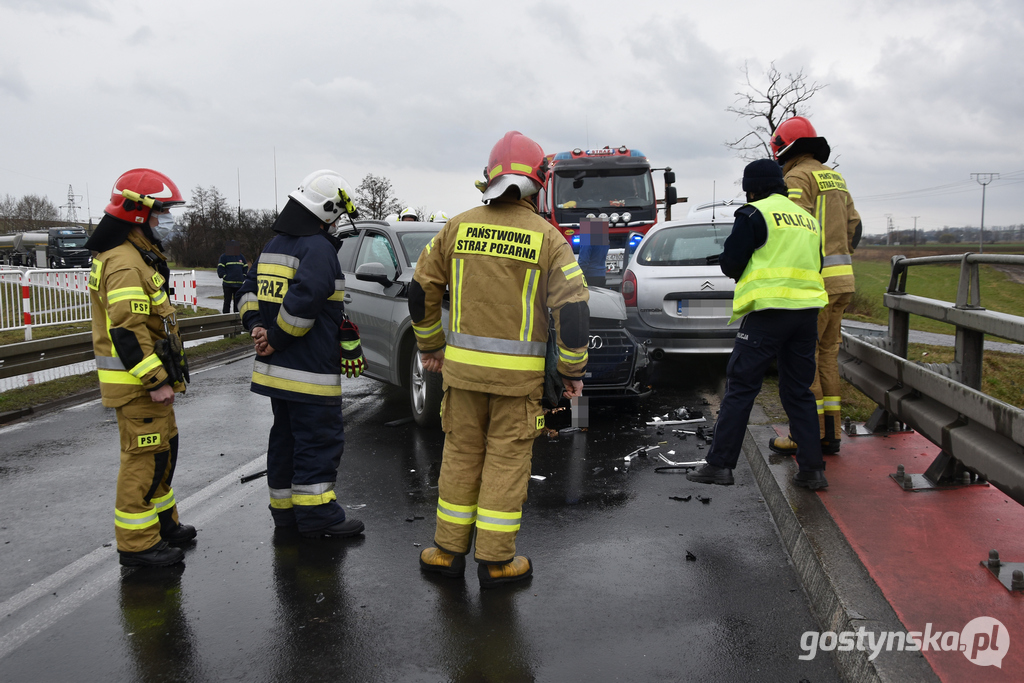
point(763, 175)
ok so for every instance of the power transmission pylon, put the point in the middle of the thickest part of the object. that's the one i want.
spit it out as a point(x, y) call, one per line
point(72, 206)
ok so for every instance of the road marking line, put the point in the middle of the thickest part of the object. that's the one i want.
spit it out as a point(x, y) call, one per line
point(69, 603)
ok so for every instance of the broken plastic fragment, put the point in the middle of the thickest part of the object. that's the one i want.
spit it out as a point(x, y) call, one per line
point(537, 477)
point(690, 557)
point(360, 506)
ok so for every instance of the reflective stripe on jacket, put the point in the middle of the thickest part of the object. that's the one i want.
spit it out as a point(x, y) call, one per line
point(504, 267)
point(784, 272)
point(822, 192)
point(129, 303)
point(295, 291)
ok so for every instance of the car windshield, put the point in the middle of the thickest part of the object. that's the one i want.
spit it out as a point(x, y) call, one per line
point(413, 243)
point(72, 242)
point(604, 188)
point(684, 245)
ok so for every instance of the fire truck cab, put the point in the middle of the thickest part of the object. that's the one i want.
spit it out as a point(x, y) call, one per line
point(612, 183)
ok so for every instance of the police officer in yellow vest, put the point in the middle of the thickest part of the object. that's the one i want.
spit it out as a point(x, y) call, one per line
point(822, 191)
point(504, 267)
point(140, 363)
point(774, 254)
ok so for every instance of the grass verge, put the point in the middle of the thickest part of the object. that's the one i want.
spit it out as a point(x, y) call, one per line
point(63, 387)
point(1002, 373)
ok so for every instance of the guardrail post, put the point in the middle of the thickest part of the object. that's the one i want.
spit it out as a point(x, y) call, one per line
point(970, 344)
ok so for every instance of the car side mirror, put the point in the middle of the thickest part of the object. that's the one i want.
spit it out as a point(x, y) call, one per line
point(373, 272)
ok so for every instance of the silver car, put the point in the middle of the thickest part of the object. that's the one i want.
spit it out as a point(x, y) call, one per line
point(379, 260)
point(677, 298)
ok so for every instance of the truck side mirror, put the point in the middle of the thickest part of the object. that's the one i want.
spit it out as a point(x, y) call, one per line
point(671, 196)
point(670, 177)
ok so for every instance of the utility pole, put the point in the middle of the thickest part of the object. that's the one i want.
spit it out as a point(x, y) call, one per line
point(915, 229)
point(888, 229)
point(983, 179)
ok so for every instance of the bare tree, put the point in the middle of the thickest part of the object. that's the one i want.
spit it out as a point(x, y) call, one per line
point(375, 198)
point(765, 104)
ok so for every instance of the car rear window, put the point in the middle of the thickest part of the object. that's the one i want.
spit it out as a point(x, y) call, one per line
point(684, 245)
point(413, 243)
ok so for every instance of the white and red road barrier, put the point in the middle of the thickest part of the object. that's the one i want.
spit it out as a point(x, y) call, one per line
point(36, 297)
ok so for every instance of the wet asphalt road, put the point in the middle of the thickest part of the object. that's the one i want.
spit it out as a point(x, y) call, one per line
point(613, 597)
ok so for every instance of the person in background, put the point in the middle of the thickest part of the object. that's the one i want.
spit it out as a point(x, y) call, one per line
point(231, 270)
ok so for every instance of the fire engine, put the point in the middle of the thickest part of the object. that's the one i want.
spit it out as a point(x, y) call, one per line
point(614, 183)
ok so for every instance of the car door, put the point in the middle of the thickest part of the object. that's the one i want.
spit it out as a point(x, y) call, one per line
point(370, 305)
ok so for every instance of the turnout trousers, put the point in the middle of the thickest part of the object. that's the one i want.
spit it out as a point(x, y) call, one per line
point(485, 470)
point(145, 502)
point(826, 379)
point(790, 337)
point(230, 290)
point(306, 443)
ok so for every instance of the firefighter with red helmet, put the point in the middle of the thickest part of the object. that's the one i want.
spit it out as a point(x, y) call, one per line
point(292, 304)
point(140, 362)
point(503, 267)
point(822, 192)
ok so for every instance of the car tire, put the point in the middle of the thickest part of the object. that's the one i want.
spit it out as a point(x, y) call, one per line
point(425, 393)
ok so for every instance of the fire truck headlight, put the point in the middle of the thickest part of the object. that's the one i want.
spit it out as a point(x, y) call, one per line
point(614, 218)
point(626, 217)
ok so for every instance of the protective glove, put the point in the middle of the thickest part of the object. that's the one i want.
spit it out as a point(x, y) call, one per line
point(352, 362)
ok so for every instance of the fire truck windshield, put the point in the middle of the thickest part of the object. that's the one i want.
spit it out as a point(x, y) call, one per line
point(603, 189)
point(72, 242)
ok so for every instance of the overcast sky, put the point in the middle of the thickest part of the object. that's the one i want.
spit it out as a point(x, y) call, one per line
point(920, 94)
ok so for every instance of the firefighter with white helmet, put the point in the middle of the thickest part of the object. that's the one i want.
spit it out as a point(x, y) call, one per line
point(409, 214)
point(822, 192)
point(439, 216)
point(140, 362)
point(503, 267)
point(291, 303)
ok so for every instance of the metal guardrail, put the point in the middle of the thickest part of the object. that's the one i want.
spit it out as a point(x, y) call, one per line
point(980, 436)
point(43, 354)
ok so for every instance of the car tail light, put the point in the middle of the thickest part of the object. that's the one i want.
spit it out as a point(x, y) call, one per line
point(628, 287)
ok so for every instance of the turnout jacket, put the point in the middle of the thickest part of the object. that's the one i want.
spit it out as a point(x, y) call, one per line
point(130, 303)
point(822, 192)
point(231, 269)
point(504, 267)
point(295, 291)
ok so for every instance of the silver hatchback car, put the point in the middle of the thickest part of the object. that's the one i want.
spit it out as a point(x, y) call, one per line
point(677, 298)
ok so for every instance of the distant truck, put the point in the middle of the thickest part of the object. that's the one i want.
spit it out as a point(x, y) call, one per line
point(55, 248)
point(65, 248)
point(618, 183)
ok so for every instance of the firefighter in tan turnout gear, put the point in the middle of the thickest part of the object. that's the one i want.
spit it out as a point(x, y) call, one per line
point(822, 192)
point(140, 362)
point(504, 267)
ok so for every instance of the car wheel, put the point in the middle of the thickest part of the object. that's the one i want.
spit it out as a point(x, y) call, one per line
point(425, 392)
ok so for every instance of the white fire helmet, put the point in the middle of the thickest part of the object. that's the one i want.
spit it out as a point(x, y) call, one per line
point(326, 195)
point(439, 216)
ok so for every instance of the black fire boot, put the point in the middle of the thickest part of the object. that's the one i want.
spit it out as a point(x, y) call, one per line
point(180, 536)
point(160, 555)
point(343, 529)
point(711, 474)
point(810, 479)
